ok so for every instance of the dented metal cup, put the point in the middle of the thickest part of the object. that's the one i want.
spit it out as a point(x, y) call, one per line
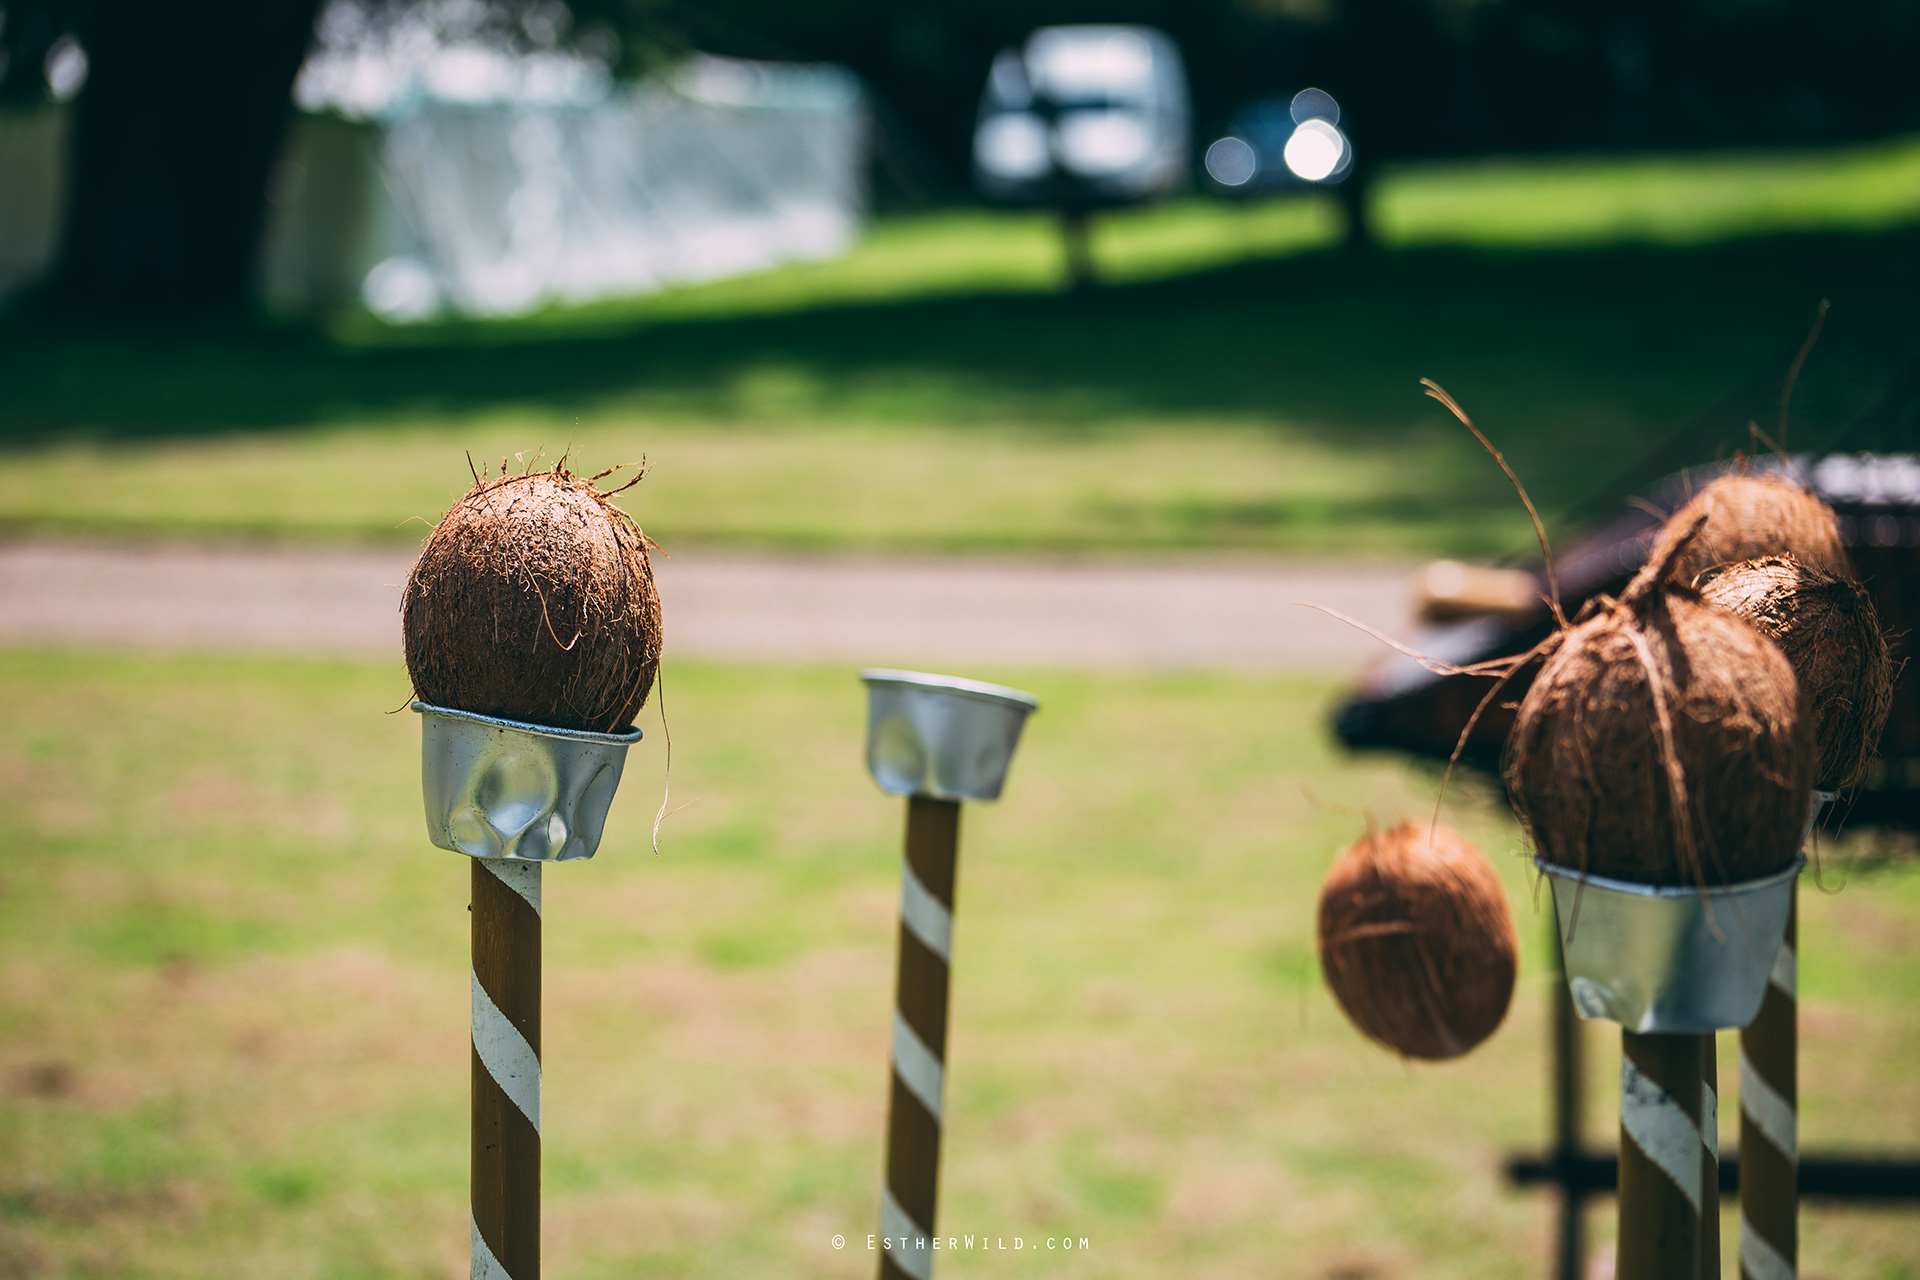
point(505, 789)
point(1672, 961)
point(941, 736)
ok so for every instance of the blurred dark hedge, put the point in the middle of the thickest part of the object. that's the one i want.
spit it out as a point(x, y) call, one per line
point(1416, 77)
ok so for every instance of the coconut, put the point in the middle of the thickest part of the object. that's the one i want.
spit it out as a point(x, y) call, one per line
point(533, 600)
point(1752, 515)
point(1664, 741)
point(1830, 632)
point(1417, 942)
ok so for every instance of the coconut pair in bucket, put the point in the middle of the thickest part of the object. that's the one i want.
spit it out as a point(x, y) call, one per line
point(1666, 758)
point(1672, 736)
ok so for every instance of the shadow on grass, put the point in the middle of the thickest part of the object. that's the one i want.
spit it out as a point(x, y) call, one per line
point(1580, 363)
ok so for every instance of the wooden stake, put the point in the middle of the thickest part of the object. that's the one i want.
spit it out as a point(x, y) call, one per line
point(1660, 1157)
point(909, 1197)
point(1566, 1115)
point(1709, 1158)
point(1769, 1127)
point(506, 1070)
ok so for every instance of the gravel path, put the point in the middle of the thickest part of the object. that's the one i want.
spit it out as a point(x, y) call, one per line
point(941, 613)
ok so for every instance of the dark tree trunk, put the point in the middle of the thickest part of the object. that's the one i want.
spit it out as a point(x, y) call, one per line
point(180, 121)
point(1356, 201)
point(1076, 237)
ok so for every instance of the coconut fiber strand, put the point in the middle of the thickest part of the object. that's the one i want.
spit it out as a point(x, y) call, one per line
point(1748, 516)
point(1830, 632)
point(1417, 942)
point(533, 600)
point(1664, 741)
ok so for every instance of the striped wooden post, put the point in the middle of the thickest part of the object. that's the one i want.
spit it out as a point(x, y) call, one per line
point(1769, 1130)
point(1566, 1116)
point(909, 1197)
point(1660, 1157)
point(1769, 1108)
point(1709, 1158)
point(505, 1183)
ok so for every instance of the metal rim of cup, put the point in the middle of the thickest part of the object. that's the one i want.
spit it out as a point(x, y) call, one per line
point(996, 693)
point(626, 739)
point(1586, 880)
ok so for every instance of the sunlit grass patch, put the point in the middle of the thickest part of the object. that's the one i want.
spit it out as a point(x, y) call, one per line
point(1671, 199)
point(934, 390)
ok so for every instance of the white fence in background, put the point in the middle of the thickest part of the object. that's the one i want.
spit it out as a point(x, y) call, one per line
point(496, 208)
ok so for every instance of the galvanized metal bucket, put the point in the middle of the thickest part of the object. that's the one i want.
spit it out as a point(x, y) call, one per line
point(505, 789)
point(1674, 961)
point(941, 736)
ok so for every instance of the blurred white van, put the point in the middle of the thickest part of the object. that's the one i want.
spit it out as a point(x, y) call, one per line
point(1084, 116)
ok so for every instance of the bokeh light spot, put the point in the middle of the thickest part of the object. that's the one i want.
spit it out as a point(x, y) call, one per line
point(1231, 162)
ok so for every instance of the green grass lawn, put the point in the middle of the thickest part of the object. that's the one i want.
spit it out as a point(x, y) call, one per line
point(233, 997)
point(1239, 386)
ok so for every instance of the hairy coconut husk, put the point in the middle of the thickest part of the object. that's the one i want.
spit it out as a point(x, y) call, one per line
point(1752, 515)
point(533, 600)
point(1664, 741)
point(1829, 630)
point(1417, 942)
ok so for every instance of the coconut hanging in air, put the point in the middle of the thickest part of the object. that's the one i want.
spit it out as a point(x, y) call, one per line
point(533, 600)
point(1749, 515)
point(1417, 942)
point(1830, 632)
point(1664, 741)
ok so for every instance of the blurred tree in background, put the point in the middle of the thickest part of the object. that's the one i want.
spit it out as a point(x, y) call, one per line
point(174, 133)
point(184, 104)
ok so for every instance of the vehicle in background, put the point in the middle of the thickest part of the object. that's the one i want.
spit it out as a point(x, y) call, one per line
point(1281, 144)
point(1084, 117)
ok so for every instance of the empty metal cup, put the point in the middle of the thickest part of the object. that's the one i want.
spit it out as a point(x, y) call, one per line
point(504, 789)
point(941, 736)
point(1653, 960)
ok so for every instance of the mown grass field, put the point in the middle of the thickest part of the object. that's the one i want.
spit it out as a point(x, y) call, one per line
point(232, 972)
point(1240, 386)
point(233, 997)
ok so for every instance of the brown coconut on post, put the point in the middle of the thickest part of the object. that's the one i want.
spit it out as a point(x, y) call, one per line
point(1752, 514)
point(1417, 942)
point(1830, 633)
point(1664, 741)
point(534, 600)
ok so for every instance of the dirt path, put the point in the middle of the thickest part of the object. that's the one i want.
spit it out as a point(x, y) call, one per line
point(948, 613)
